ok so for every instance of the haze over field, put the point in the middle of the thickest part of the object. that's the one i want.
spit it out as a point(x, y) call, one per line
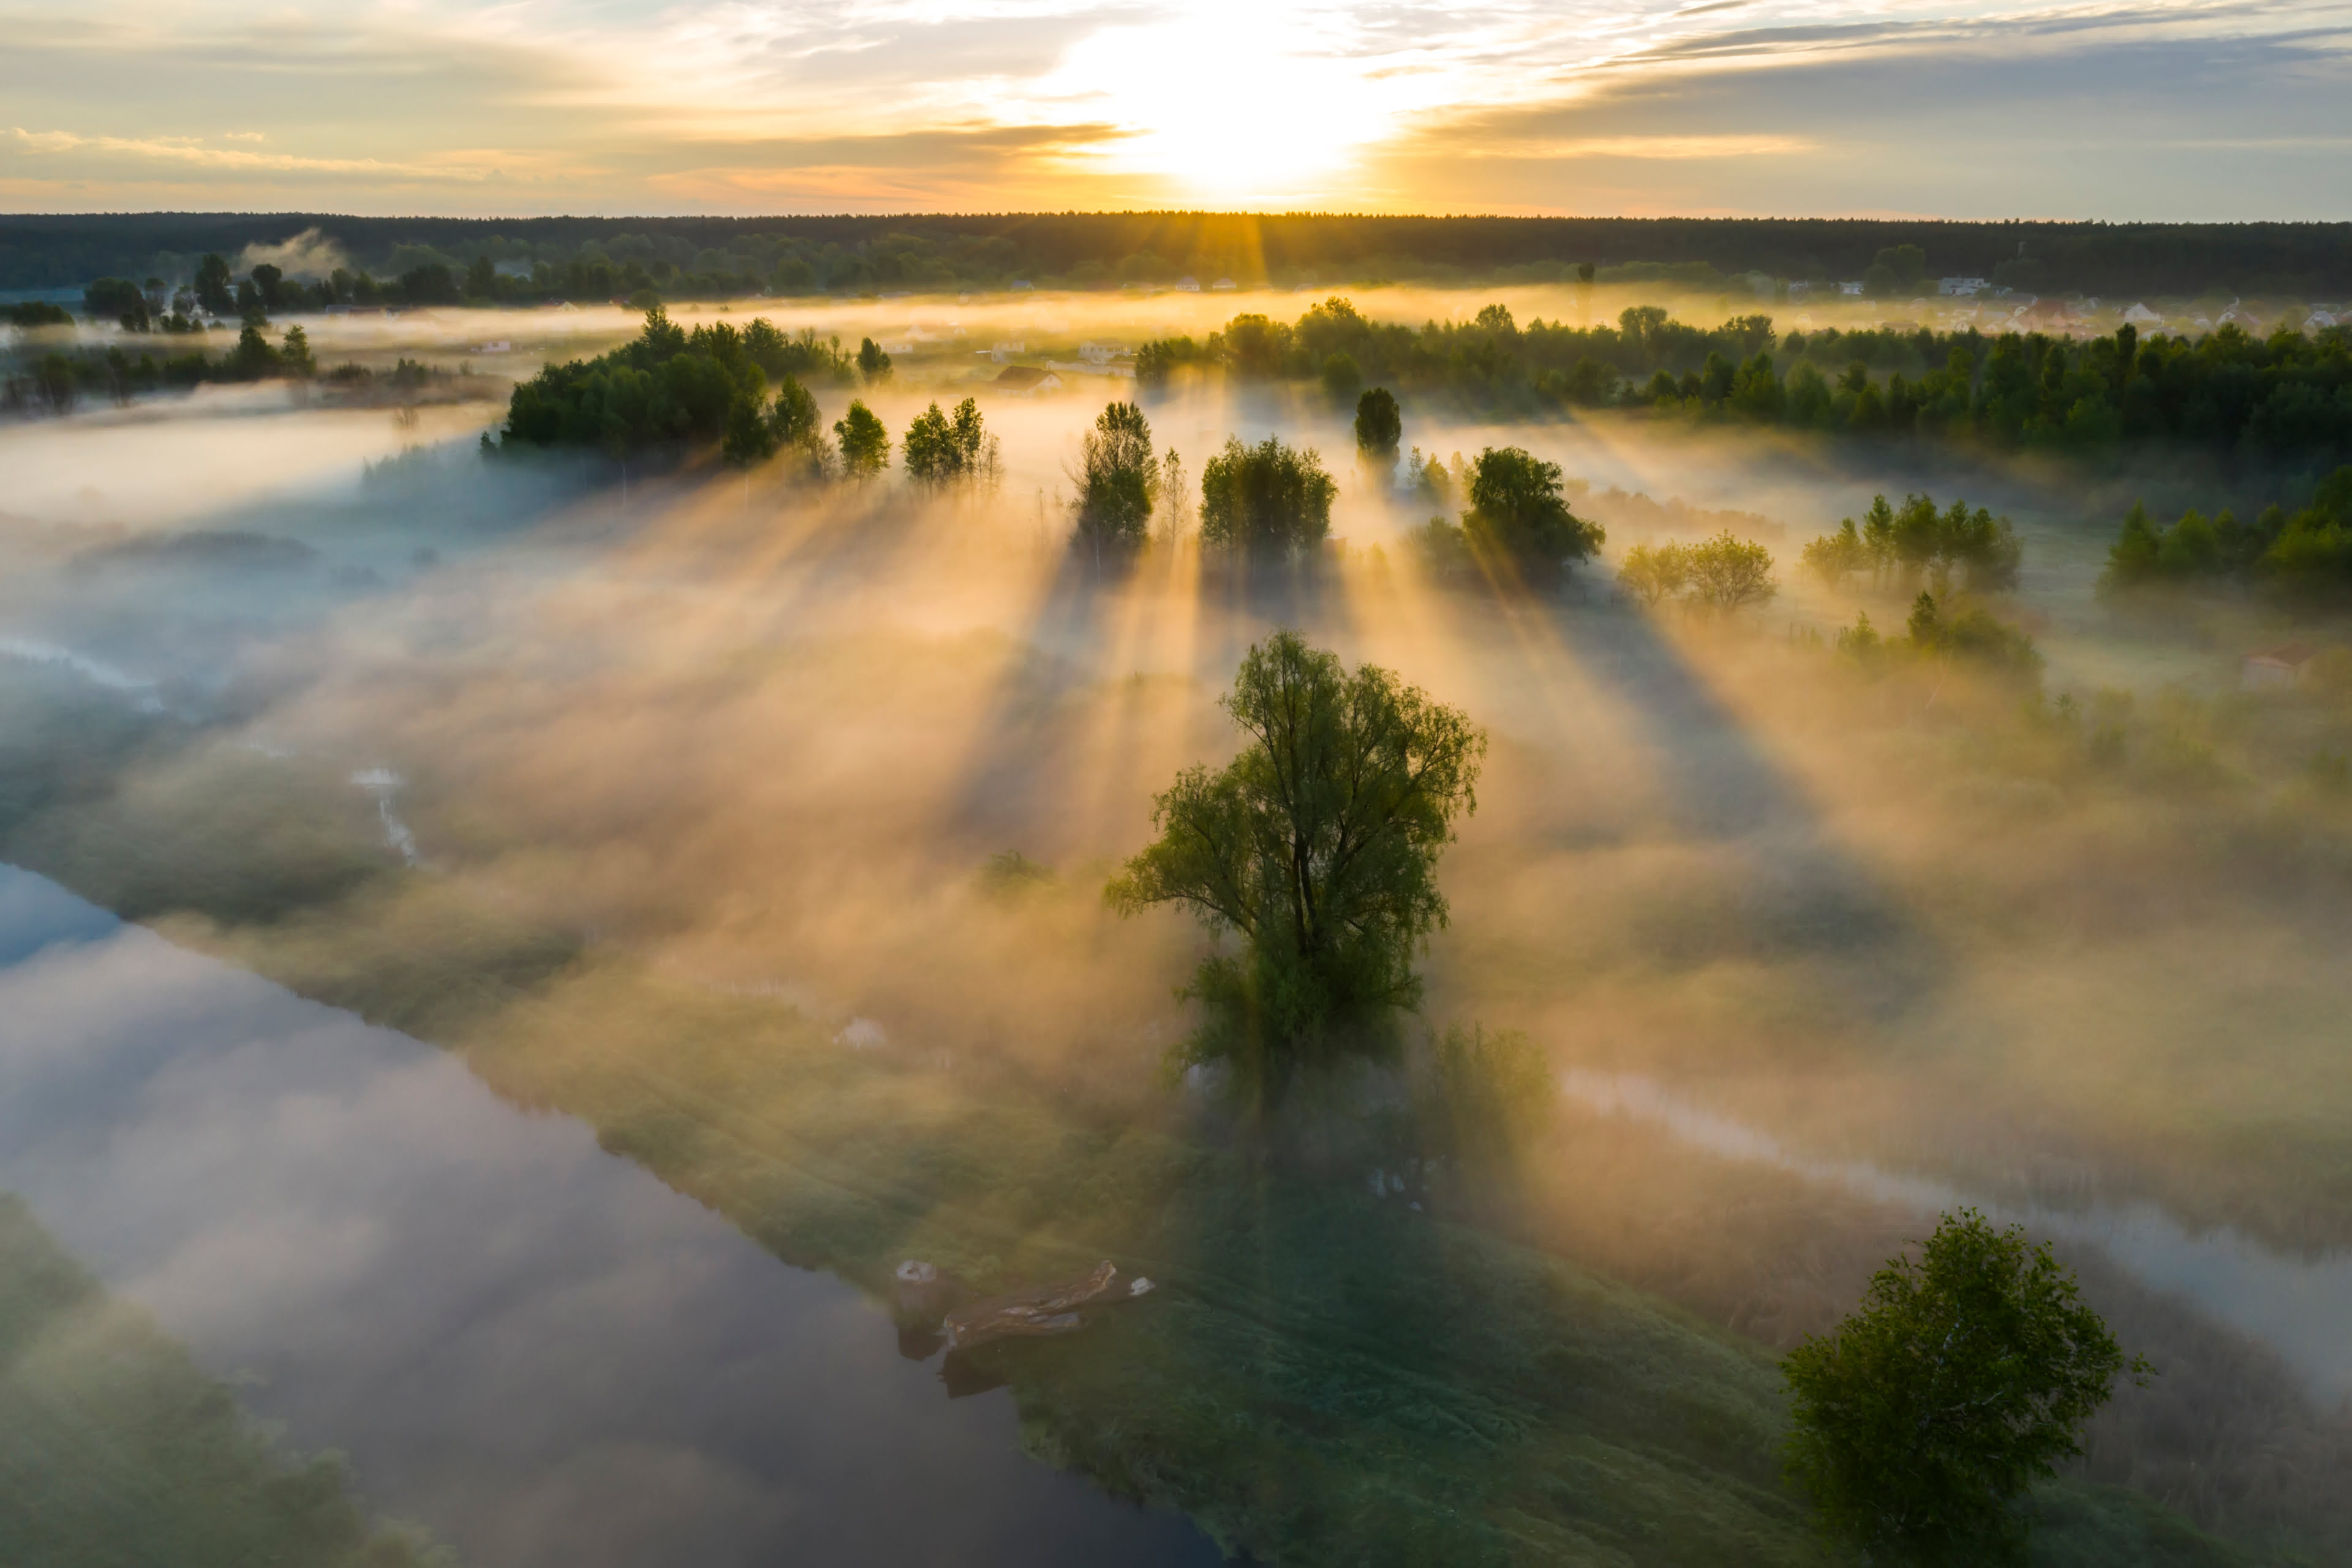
point(1041, 785)
point(666, 775)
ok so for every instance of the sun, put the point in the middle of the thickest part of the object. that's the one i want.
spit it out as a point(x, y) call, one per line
point(1226, 104)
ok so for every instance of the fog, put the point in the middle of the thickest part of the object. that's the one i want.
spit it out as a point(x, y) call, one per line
point(1816, 956)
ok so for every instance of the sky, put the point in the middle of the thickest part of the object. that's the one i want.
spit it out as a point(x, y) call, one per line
point(2228, 110)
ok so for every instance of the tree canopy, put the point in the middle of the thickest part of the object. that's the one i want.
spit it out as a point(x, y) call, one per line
point(1519, 522)
point(1118, 480)
point(1965, 1377)
point(865, 441)
point(1318, 847)
point(942, 451)
point(1267, 500)
point(1380, 434)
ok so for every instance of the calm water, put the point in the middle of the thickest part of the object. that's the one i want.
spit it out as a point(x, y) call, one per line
point(534, 1349)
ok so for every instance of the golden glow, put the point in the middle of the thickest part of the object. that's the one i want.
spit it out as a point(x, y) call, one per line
point(1229, 104)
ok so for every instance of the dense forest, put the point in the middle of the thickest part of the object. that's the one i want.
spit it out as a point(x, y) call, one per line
point(2302, 558)
point(935, 250)
point(2287, 396)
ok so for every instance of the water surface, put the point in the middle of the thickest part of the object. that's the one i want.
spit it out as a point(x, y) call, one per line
point(530, 1347)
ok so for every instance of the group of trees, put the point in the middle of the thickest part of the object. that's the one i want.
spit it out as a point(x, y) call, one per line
point(56, 381)
point(1517, 530)
point(844, 252)
point(1721, 575)
point(2285, 396)
point(1918, 540)
point(1946, 630)
point(2303, 557)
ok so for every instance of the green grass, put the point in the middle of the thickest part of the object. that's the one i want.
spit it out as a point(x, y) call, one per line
point(116, 1449)
point(1324, 1378)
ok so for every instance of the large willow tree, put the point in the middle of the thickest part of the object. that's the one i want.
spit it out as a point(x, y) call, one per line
point(1318, 847)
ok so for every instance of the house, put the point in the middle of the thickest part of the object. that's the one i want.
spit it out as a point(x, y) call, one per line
point(1851, 290)
point(1026, 381)
point(1101, 354)
point(2276, 668)
point(1222, 286)
point(1009, 349)
point(2047, 314)
point(1188, 285)
point(1965, 287)
point(2141, 316)
point(2319, 319)
point(1800, 290)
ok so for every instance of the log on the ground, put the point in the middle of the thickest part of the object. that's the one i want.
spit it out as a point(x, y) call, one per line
point(1044, 1311)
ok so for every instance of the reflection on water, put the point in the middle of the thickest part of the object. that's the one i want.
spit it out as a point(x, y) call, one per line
point(2298, 1307)
point(531, 1347)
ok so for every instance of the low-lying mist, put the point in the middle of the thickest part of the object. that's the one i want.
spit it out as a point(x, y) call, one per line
point(870, 755)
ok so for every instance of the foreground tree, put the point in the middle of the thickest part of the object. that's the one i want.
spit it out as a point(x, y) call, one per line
point(1318, 847)
point(1267, 501)
point(1117, 482)
point(1921, 1422)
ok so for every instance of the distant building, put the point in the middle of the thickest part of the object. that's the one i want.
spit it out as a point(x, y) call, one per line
point(1222, 286)
point(2141, 316)
point(1965, 287)
point(1800, 290)
point(1852, 291)
point(2276, 668)
point(1026, 381)
point(1188, 285)
point(2320, 319)
point(1022, 286)
point(1000, 353)
point(1101, 354)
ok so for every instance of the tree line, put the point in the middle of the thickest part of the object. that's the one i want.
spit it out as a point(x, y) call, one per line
point(38, 250)
point(2287, 396)
point(2302, 558)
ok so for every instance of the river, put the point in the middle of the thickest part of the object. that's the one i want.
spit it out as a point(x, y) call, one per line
point(530, 1347)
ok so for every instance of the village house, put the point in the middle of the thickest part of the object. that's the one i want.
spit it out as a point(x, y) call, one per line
point(1967, 288)
point(1025, 381)
point(1188, 285)
point(2276, 668)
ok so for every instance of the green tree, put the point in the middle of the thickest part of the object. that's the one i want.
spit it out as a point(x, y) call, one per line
point(213, 288)
point(1317, 847)
point(1270, 499)
point(1518, 518)
point(1727, 574)
point(873, 364)
point(1379, 435)
point(942, 451)
point(481, 279)
point(1342, 379)
point(1835, 557)
point(1966, 1376)
point(269, 282)
point(1117, 480)
point(864, 442)
point(1655, 572)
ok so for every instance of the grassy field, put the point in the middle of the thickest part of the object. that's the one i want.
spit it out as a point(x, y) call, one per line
point(117, 1451)
point(1324, 1378)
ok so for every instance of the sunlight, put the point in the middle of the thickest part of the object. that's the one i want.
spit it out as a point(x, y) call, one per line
point(1230, 103)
